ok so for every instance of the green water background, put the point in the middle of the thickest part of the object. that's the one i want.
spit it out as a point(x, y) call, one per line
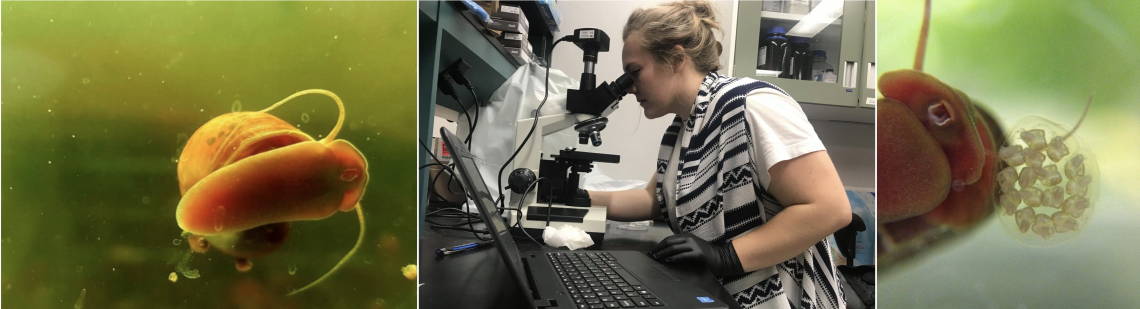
point(1019, 58)
point(98, 98)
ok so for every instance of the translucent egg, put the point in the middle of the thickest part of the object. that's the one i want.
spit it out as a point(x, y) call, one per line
point(1049, 189)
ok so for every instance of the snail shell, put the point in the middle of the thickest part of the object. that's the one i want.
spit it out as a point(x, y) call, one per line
point(229, 138)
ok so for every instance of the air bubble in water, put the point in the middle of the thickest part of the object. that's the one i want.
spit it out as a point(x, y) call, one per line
point(305, 117)
point(146, 200)
point(86, 81)
point(236, 107)
point(177, 241)
point(292, 269)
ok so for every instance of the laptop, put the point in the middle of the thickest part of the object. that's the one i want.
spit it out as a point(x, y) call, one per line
point(577, 279)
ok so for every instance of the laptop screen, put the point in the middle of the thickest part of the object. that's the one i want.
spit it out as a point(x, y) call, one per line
point(484, 201)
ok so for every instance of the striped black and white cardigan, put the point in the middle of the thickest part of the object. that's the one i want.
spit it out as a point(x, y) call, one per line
point(720, 198)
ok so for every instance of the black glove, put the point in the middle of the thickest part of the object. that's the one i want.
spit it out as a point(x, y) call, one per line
point(690, 249)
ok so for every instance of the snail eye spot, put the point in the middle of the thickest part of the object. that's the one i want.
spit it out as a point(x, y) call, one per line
point(1049, 189)
point(349, 174)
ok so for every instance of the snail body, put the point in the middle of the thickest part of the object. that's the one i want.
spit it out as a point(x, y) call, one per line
point(244, 176)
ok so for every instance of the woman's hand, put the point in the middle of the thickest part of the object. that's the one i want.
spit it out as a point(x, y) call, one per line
point(689, 249)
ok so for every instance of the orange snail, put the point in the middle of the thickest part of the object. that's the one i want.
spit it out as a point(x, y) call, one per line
point(945, 167)
point(245, 175)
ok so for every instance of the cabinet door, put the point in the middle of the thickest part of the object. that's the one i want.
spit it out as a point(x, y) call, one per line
point(834, 27)
point(868, 75)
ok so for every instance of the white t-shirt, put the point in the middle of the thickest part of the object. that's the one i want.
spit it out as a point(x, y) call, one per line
point(780, 132)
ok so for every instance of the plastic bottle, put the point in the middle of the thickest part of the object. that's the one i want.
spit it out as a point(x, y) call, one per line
point(820, 70)
point(770, 57)
point(797, 57)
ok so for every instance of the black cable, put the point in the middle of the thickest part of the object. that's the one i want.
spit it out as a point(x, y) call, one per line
point(469, 223)
point(549, 60)
point(476, 98)
point(470, 124)
point(483, 231)
point(518, 211)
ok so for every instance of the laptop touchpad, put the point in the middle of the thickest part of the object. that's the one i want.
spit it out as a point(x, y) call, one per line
point(666, 272)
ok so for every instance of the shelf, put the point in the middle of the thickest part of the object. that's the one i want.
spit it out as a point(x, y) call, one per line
point(487, 34)
point(792, 17)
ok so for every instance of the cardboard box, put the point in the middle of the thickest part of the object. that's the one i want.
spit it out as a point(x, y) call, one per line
point(521, 54)
point(516, 40)
point(440, 150)
point(511, 13)
point(506, 26)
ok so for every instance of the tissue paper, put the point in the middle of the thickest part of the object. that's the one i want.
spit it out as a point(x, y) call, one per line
point(567, 236)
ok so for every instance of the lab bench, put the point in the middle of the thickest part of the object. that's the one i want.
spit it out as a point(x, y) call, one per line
point(479, 278)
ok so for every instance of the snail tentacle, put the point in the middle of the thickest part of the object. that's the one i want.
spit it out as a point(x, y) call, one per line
point(359, 241)
point(1083, 114)
point(920, 54)
point(339, 104)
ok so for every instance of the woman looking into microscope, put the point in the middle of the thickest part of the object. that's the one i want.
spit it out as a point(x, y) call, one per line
point(744, 181)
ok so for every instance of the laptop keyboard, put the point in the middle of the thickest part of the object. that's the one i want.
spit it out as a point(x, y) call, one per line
point(596, 280)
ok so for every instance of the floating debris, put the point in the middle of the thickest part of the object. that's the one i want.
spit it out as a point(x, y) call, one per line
point(409, 271)
point(186, 271)
point(79, 302)
point(173, 277)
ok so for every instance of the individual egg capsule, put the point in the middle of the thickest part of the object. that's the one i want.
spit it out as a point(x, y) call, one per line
point(1075, 206)
point(1033, 158)
point(1078, 187)
point(1028, 177)
point(1043, 225)
point(1063, 222)
point(1031, 196)
point(1009, 202)
point(1035, 139)
point(1025, 218)
point(1050, 176)
point(1012, 155)
point(1075, 167)
point(1053, 197)
point(1057, 149)
point(1007, 178)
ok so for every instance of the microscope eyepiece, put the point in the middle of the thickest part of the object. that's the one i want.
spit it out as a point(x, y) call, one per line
point(623, 82)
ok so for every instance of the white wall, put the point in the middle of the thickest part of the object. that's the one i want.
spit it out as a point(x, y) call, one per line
point(637, 140)
point(628, 134)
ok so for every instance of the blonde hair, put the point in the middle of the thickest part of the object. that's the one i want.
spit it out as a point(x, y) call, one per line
point(689, 24)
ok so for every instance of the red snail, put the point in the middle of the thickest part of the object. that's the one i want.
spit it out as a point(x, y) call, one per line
point(245, 176)
point(944, 166)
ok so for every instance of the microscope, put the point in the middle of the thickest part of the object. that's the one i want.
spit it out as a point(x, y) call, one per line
point(558, 200)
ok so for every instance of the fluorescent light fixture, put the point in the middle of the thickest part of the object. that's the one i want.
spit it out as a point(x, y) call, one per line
point(824, 14)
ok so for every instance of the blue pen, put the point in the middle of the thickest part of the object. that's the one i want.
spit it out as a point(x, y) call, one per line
point(460, 248)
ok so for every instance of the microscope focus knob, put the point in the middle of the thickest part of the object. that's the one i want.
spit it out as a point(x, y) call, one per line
point(519, 179)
